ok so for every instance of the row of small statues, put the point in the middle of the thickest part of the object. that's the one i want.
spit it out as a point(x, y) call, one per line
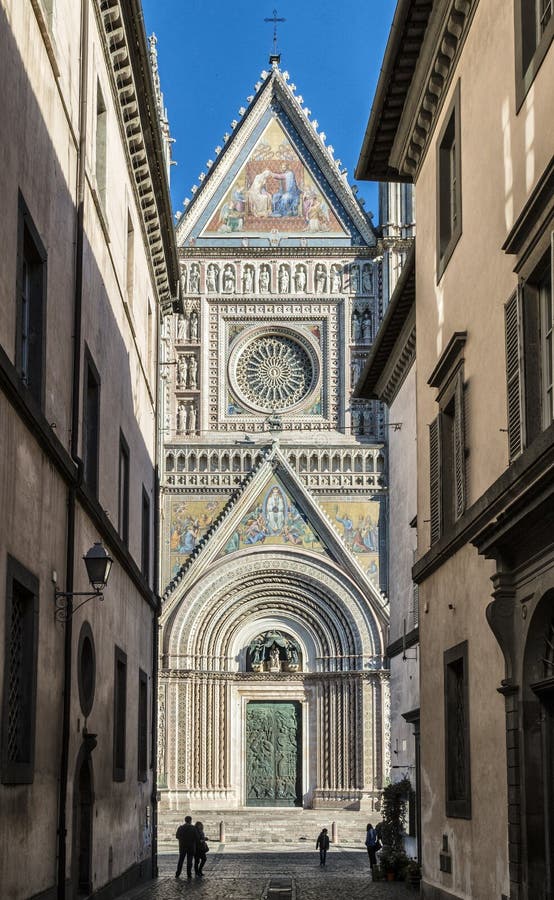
point(186, 417)
point(187, 371)
point(363, 421)
point(361, 327)
point(360, 280)
point(187, 328)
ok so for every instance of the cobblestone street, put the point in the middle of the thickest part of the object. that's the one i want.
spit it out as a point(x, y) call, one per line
point(246, 871)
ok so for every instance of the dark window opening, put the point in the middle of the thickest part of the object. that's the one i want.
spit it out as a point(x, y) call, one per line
point(142, 726)
point(86, 669)
point(534, 30)
point(449, 197)
point(457, 756)
point(120, 714)
point(123, 490)
point(145, 535)
point(31, 305)
point(91, 424)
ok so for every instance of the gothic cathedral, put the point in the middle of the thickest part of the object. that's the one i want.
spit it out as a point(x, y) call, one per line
point(273, 684)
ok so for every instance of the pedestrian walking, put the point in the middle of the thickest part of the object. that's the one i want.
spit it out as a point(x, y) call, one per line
point(323, 844)
point(373, 844)
point(201, 850)
point(187, 836)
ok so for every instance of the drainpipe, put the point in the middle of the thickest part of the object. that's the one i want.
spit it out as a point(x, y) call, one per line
point(156, 617)
point(71, 500)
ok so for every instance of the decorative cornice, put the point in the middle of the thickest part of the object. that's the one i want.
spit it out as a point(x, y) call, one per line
point(374, 674)
point(447, 46)
point(449, 358)
point(133, 89)
point(423, 49)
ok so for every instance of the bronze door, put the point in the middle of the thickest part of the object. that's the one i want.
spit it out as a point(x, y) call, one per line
point(273, 754)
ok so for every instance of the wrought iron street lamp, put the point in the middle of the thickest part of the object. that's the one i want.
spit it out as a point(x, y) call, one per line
point(98, 565)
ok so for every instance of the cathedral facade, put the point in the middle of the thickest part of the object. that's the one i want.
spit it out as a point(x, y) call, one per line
point(273, 681)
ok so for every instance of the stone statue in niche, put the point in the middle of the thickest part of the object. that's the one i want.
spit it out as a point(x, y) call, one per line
point(248, 280)
point(182, 371)
point(274, 660)
point(355, 419)
point(265, 279)
point(284, 280)
point(300, 279)
point(366, 327)
point(257, 652)
point(354, 280)
point(367, 280)
point(194, 280)
point(182, 418)
point(211, 278)
point(193, 373)
point(335, 280)
point(229, 279)
point(182, 329)
point(320, 279)
point(355, 327)
point(183, 280)
point(292, 656)
point(194, 326)
point(192, 418)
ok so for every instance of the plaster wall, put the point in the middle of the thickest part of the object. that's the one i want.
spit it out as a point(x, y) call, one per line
point(502, 157)
point(39, 105)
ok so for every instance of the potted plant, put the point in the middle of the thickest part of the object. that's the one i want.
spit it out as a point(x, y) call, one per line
point(393, 860)
point(413, 873)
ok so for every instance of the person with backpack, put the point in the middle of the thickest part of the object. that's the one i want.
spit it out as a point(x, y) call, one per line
point(323, 844)
point(187, 836)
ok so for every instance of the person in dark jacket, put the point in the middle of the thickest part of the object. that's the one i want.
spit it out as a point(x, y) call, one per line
point(371, 842)
point(201, 850)
point(323, 844)
point(187, 836)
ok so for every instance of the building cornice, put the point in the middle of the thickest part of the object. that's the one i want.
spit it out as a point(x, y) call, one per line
point(122, 28)
point(424, 47)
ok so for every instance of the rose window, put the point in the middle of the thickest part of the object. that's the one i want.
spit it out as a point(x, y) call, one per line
point(274, 372)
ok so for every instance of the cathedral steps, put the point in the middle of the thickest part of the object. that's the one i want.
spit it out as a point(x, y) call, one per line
point(269, 825)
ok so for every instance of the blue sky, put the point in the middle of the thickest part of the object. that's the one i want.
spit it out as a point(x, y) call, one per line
point(211, 53)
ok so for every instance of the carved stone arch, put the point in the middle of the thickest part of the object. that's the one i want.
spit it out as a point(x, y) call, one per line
point(192, 462)
point(305, 585)
point(225, 463)
point(203, 462)
point(169, 462)
point(181, 461)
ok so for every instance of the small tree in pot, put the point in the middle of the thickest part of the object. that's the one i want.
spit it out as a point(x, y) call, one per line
point(393, 859)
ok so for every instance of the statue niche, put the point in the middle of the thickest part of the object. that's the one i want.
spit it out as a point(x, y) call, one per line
point(273, 652)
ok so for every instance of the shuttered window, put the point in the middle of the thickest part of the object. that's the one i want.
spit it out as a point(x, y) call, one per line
point(435, 478)
point(447, 454)
point(514, 374)
point(459, 448)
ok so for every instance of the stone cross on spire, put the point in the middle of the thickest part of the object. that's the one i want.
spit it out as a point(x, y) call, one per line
point(275, 57)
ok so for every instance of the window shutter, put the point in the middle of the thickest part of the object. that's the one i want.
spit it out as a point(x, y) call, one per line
point(514, 374)
point(459, 447)
point(435, 478)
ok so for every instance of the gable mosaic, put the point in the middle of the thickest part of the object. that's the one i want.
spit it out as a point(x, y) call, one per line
point(274, 191)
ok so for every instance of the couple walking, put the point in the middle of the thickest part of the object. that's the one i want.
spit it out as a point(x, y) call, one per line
point(193, 846)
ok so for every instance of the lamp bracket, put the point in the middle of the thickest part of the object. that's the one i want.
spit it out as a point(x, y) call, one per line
point(65, 609)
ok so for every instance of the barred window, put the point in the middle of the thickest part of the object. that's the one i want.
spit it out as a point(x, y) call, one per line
point(534, 29)
point(20, 675)
point(31, 305)
point(142, 754)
